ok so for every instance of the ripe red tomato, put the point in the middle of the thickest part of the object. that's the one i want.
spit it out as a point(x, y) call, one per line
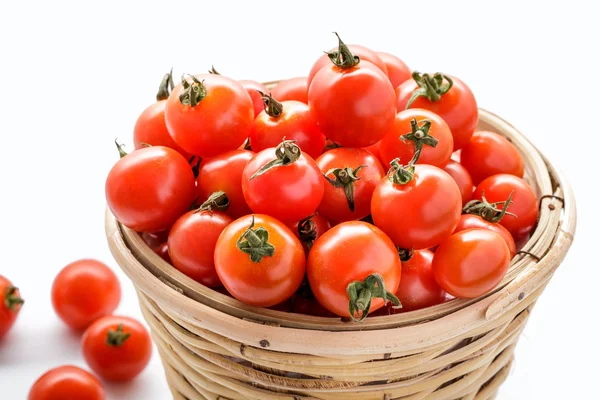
point(254, 88)
point(524, 204)
point(418, 288)
point(259, 260)
point(462, 178)
point(148, 189)
point(153, 240)
point(10, 305)
point(375, 150)
point(292, 89)
point(209, 114)
point(446, 96)
point(283, 182)
point(352, 268)
point(310, 229)
point(352, 175)
point(117, 348)
point(162, 251)
point(84, 291)
point(67, 382)
point(471, 263)
point(488, 153)
point(468, 221)
point(309, 305)
point(224, 172)
point(192, 242)
point(397, 70)
point(398, 208)
point(289, 120)
point(411, 126)
point(352, 102)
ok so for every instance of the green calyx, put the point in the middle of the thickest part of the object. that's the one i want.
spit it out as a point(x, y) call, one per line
point(343, 57)
point(193, 92)
point(400, 174)
point(420, 136)
point(272, 106)
point(217, 201)
point(431, 87)
point(12, 300)
point(122, 153)
point(286, 153)
point(166, 86)
point(361, 294)
point(489, 211)
point(255, 242)
point(345, 178)
point(213, 71)
point(117, 337)
point(307, 231)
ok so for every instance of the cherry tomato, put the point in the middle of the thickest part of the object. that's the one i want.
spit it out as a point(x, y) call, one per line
point(487, 154)
point(253, 88)
point(117, 348)
point(375, 150)
point(289, 120)
point(352, 102)
point(419, 214)
point(224, 172)
point(397, 70)
point(192, 242)
point(150, 188)
point(310, 229)
point(352, 175)
point(524, 205)
point(209, 114)
point(399, 141)
point(154, 239)
point(469, 221)
point(418, 288)
point(354, 257)
point(259, 260)
point(283, 182)
point(454, 102)
point(67, 382)
point(10, 305)
point(84, 291)
point(471, 263)
point(162, 251)
point(309, 305)
point(292, 89)
point(462, 178)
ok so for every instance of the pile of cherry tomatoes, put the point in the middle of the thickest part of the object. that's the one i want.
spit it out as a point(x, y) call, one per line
point(363, 185)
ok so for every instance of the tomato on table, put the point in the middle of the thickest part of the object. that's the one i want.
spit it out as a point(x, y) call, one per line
point(67, 382)
point(462, 178)
point(469, 221)
point(397, 70)
point(310, 229)
point(10, 305)
point(292, 89)
point(259, 260)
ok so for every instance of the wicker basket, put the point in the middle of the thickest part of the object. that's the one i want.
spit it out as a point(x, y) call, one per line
point(214, 347)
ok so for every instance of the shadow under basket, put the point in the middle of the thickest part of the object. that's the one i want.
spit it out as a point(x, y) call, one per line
point(215, 347)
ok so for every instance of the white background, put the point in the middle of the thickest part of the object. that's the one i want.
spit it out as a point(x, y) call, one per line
point(76, 75)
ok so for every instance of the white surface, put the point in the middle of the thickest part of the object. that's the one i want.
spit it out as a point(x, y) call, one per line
point(75, 76)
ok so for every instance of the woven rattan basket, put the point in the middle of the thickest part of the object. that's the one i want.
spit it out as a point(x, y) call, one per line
point(214, 347)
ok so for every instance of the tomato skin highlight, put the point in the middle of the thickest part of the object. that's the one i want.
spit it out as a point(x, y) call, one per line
point(218, 123)
point(270, 281)
point(192, 242)
point(292, 89)
point(397, 70)
point(67, 382)
point(148, 189)
point(350, 252)
point(224, 172)
point(399, 210)
point(462, 178)
point(488, 153)
point(471, 263)
point(253, 87)
point(469, 221)
point(353, 107)
point(8, 316)
point(418, 288)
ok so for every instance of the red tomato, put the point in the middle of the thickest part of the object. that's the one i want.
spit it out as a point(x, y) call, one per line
point(469, 221)
point(283, 182)
point(524, 205)
point(259, 260)
point(209, 114)
point(398, 208)
point(398, 71)
point(289, 120)
point(352, 102)
point(150, 188)
point(352, 175)
point(254, 88)
point(418, 288)
point(224, 172)
point(84, 291)
point(309, 305)
point(358, 258)
point(375, 150)
point(153, 240)
point(162, 251)
point(471, 263)
point(117, 348)
point(67, 382)
point(488, 153)
point(413, 126)
point(462, 178)
point(292, 89)
point(310, 229)
point(10, 305)
point(446, 96)
point(192, 242)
